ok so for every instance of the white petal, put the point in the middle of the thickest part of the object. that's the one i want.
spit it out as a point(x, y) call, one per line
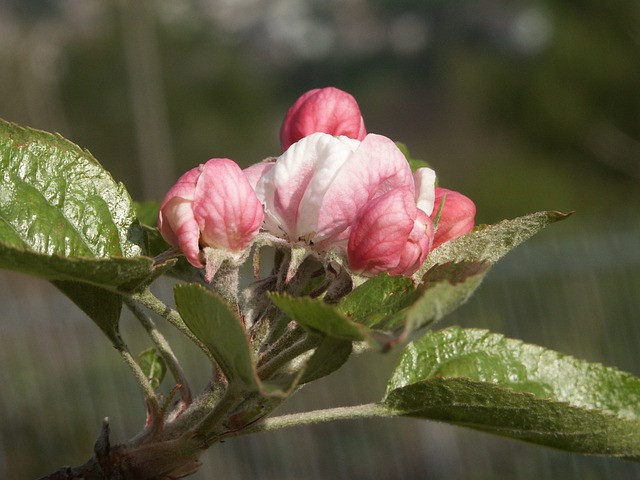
point(425, 179)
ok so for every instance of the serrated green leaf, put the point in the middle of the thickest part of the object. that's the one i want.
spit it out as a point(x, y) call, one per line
point(153, 366)
point(115, 273)
point(63, 218)
point(443, 289)
point(55, 198)
point(220, 330)
point(482, 380)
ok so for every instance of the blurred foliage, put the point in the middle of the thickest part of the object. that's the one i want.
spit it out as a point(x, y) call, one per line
point(524, 105)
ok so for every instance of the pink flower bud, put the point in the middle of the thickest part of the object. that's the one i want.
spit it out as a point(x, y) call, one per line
point(327, 110)
point(390, 235)
point(456, 218)
point(212, 205)
point(316, 188)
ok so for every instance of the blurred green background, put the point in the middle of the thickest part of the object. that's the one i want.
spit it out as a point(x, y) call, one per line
point(521, 105)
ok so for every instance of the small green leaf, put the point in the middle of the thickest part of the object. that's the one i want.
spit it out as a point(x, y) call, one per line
point(443, 289)
point(220, 330)
point(413, 162)
point(377, 298)
point(101, 305)
point(330, 355)
point(317, 316)
point(153, 366)
point(147, 212)
point(484, 381)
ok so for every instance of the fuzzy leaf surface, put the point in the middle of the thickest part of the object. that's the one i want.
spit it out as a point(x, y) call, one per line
point(484, 381)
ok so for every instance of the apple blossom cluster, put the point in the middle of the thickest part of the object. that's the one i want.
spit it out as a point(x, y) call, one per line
point(335, 190)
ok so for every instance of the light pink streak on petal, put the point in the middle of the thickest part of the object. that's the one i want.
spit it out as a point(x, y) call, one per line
point(380, 233)
point(425, 180)
point(327, 110)
point(226, 207)
point(283, 187)
point(254, 172)
point(179, 227)
point(375, 168)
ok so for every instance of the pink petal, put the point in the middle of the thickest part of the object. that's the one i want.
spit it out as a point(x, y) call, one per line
point(425, 179)
point(226, 206)
point(175, 219)
point(457, 216)
point(417, 247)
point(256, 171)
point(327, 110)
point(283, 187)
point(380, 233)
point(179, 228)
point(375, 168)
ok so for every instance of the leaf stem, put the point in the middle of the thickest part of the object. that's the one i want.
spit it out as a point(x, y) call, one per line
point(145, 385)
point(281, 357)
point(228, 401)
point(165, 350)
point(367, 410)
point(153, 303)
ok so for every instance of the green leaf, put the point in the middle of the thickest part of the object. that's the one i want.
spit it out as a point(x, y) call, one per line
point(330, 355)
point(443, 289)
point(153, 366)
point(220, 330)
point(147, 212)
point(56, 199)
point(485, 381)
point(62, 216)
point(489, 243)
point(377, 298)
point(319, 317)
point(101, 305)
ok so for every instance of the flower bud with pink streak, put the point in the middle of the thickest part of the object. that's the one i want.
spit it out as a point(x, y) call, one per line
point(457, 215)
point(393, 233)
point(327, 110)
point(390, 235)
point(212, 205)
point(315, 190)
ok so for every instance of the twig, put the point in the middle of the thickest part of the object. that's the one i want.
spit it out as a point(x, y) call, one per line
point(165, 351)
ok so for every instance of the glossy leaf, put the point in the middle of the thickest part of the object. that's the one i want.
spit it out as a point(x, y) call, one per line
point(56, 199)
point(220, 330)
point(62, 216)
point(485, 381)
point(153, 366)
